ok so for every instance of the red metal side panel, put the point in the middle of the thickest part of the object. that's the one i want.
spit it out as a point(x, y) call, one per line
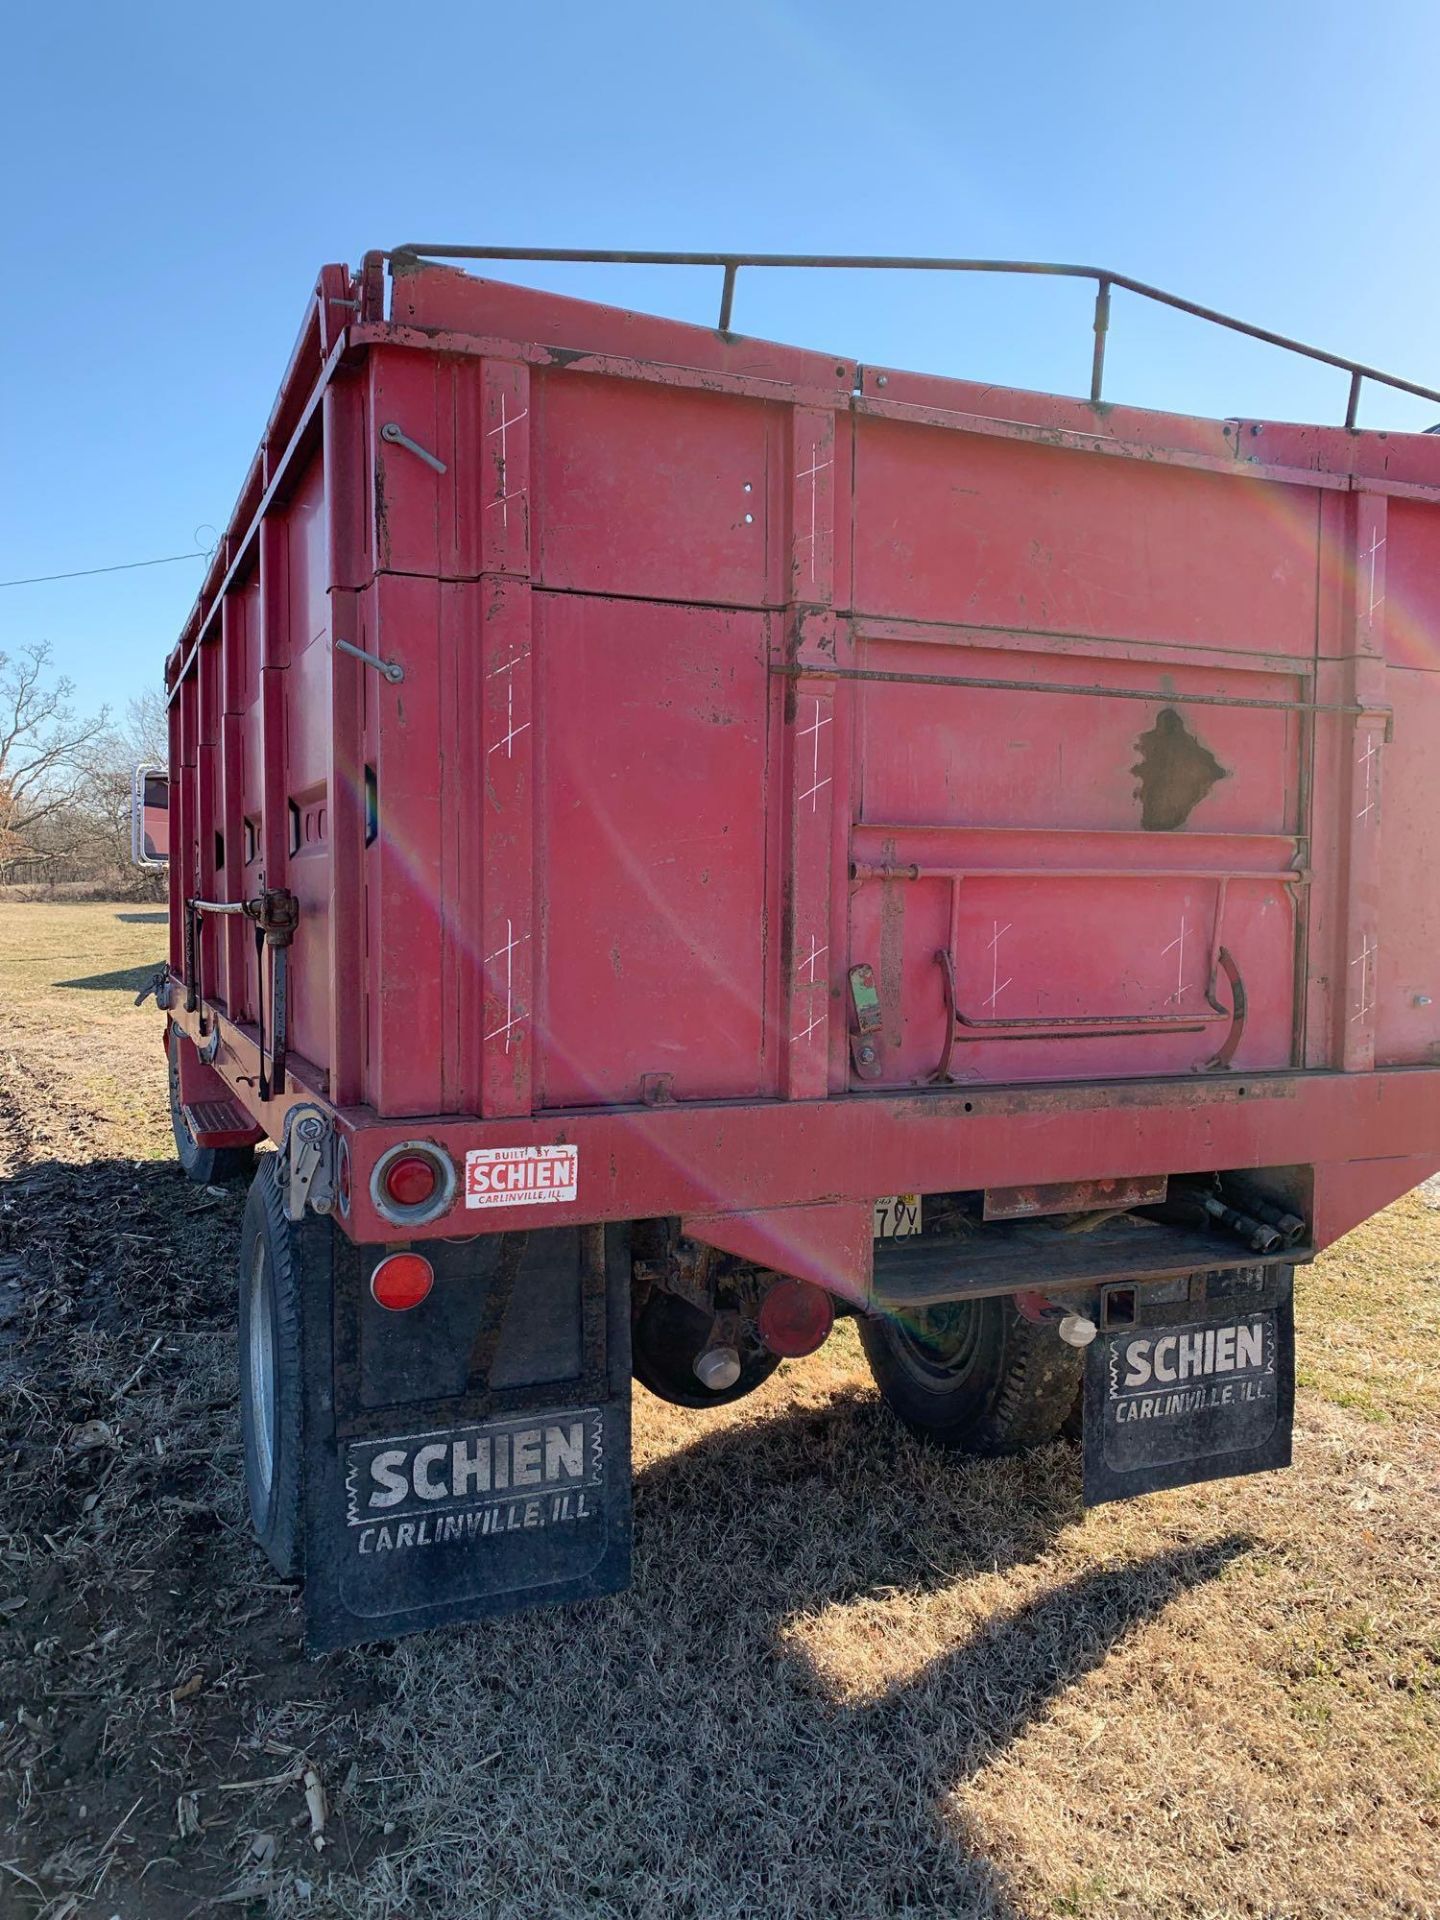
point(404, 861)
point(1408, 963)
point(657, 492)
point(958, 527)
point(653, 780)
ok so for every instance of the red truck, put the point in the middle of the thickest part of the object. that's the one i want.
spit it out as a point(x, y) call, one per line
point(674, 838)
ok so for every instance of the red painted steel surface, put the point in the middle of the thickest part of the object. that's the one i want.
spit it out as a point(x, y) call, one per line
point(1104, 738)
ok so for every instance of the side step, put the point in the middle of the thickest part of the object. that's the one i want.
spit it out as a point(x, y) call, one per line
point(997, 1258)
point(221, 1123)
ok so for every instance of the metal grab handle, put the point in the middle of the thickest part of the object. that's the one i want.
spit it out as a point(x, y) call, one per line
point(1097, 1026)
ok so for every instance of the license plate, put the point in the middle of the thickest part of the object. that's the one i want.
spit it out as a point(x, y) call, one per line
point(897, 1216)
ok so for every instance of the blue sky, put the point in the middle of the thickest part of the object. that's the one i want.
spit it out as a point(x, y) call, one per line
point(175, 175)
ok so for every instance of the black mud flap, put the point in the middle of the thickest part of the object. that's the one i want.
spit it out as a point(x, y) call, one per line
point(1200, 1387)
point(470, 1456)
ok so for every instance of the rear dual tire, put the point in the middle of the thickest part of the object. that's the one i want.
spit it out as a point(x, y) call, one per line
point(270, 1371)
point(975, 1375)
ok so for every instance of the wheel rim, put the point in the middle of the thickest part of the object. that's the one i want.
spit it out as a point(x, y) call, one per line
point(939, 1345)
point(260, 1367)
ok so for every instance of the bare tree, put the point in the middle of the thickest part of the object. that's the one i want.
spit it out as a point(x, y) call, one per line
point(45, 749)
point(147, 728)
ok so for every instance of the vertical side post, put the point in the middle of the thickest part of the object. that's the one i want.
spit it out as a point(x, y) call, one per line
point(508, 745)
point(210, 935)
point(1102, 328)
point(809, 760)
point(344, 457)
point(232, 808)
point(1362, 789)
point(274, 759)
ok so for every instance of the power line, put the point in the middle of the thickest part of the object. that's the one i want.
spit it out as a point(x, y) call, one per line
point(125, 566)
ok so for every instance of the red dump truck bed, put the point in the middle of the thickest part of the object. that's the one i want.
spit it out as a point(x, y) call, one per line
point(704, 780)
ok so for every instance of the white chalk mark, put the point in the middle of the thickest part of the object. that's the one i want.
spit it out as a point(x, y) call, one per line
point(1365, 960)
point(1372, 796)
point(812, 734)
point(796, 1039)
point(1370, 554)
point(997, 985)
point(506, 422)
point(816, 954)
point(812, 474)
point(504, 504)
point(512, 732)
point(512, 1019)
point(508, 666)
point(1180, 988)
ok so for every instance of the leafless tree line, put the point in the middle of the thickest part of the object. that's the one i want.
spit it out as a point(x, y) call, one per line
point(65, 779)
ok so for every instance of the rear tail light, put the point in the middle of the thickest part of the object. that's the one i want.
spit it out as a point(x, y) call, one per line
point(411, 1179)
point(401, 1281)
point(413, 1183)
point(795, 1318)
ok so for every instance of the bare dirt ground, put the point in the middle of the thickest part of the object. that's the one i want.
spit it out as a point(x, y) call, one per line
point(851, 1678)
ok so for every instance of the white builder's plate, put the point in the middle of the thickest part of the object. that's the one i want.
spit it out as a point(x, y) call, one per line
point(521, 1176)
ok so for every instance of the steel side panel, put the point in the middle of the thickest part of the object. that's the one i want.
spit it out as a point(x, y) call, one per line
point(653, 770)
point(955, 526)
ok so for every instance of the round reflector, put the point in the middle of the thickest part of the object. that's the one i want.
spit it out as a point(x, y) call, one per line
point(411, 1179)
point(402, 1280)
point(795, 1318)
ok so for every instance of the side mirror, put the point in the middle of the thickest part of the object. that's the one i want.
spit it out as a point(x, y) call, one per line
point(150, 817)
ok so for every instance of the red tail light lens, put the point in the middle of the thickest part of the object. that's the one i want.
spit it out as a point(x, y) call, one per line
point(413, 1183)
point(795, 1318)
point(401, 1281)
point(411, 1179)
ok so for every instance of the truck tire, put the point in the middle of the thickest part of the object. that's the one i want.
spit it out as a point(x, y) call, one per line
point(206, 1166)
point(270, 1417)
point(974, 1375)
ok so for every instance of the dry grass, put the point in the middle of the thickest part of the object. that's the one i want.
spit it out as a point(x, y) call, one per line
point(850, 1679)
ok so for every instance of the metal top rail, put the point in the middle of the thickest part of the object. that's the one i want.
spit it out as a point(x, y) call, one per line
point(1105, 280)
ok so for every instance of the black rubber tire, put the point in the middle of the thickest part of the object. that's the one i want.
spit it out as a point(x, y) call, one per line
point(666, 1338)
point(270, 1418)
point(206, 1166)
point(974, 1375)
point(1072, 1427)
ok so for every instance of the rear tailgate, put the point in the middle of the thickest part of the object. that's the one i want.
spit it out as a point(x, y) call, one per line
point(1084, 757)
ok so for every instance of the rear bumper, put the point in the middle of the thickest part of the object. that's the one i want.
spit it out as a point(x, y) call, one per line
point(820, 1163)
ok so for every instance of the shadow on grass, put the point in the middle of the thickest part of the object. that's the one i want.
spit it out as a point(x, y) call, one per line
point(695, 1747)
point(160, 919)
point(123, 980)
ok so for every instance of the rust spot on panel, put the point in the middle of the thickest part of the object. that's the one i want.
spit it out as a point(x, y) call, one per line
point(1173, 774)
